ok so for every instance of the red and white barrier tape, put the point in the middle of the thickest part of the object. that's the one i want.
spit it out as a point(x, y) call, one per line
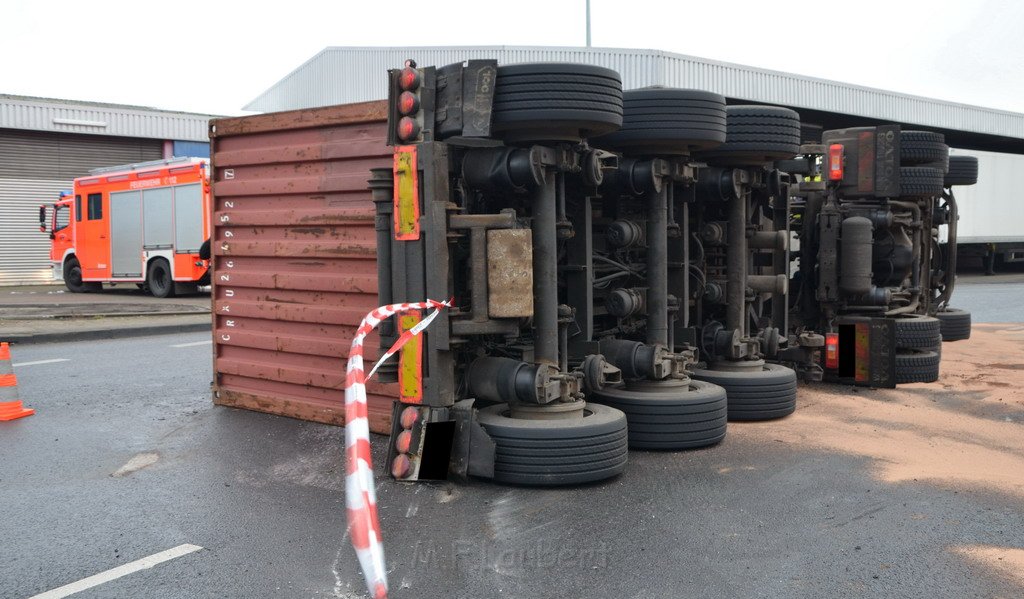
point(360, 495)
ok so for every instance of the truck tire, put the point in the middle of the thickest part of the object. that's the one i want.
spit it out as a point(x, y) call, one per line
point(556, 101)
point(916, 366)
point(920, 181)
point(942, 165)
point(558, 452)
point(159, 280)
point(684, 417)
point(963, 170)
point(955, 324)
point(756, 135)
point(764, 394)
point(922, 147)
point(915, 331)
point(73, 278)
point(668, 121)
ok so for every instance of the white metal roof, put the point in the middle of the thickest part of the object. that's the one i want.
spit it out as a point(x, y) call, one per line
point(93, 118)
point(339, 75)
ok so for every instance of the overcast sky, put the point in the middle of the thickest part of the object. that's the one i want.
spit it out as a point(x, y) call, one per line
point(215, 56)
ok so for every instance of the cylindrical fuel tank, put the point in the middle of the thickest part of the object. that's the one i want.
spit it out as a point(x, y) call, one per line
point(855, 257)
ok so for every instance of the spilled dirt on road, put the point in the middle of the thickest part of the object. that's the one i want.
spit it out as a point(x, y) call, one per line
point(965, 430)
point(1007, 562)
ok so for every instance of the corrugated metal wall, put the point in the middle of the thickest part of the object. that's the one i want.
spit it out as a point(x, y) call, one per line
point(295, 258)
point(34, 167)
point(338, 75)
point(42, 155)
point(67, 116)
point(24, 251)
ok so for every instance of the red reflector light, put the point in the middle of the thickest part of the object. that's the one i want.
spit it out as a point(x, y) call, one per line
point(832, 351)
point(401, 466)
point(835, 162)
point(404, 441)
point(409, 79)
point(408, 103)
point(408, 128)
point(409, 417)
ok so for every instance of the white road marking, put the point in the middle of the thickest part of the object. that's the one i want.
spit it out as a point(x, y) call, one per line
point(115, 573)
point(194, 344)
point(53, 361)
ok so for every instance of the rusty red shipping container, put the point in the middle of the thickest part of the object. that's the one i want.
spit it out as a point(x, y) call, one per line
point(294, 255)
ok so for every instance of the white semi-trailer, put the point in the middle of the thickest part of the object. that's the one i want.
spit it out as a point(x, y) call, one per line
point(991, 225)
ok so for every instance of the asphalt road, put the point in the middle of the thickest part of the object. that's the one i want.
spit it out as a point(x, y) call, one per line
point(126, 457)
point(991, 299)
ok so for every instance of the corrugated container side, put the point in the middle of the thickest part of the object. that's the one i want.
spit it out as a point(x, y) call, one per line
point(295, 258)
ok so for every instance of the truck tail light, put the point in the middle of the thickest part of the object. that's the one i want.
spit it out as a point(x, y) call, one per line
point(403, 442)
point(421, 447)
point(401, 466)
point(405, 100)
point(408, 128)
point(835, 162)
point(408, 103)
point(831, 351)
point(410, 416)
point(409, 79)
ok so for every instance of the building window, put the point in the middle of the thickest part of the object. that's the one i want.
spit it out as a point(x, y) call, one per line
point(78, 208)
point(95, 206)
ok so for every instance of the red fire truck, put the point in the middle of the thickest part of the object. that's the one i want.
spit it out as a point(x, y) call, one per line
point(139, 223)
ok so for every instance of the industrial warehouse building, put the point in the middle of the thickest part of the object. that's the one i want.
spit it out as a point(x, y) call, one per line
point(993, 214)
point(45, 144)
point(339, 75)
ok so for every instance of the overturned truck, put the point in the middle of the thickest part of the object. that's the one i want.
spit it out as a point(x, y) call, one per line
point(628, 270)
point(870, 273)
point(619, 263)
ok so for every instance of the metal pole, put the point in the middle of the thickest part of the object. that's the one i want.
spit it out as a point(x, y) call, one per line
point(588, 23)
point(657, 265)
point(545, 272)
point(736, 266)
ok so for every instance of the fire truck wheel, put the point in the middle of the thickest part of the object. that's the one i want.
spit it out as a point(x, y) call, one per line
point(666, 416)
point(159, 279)
point(758, 394)
point(916, 366)
point(668, 121)
point(922, 147)
point(963, 170)
point(955, 324)
point(556, 101)
point(756, 135)
point(920, 181)
point(73, 278)
point(916, 331)
point(557, 452)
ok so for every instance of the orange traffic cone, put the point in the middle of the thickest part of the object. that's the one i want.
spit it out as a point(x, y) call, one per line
point(10, 405)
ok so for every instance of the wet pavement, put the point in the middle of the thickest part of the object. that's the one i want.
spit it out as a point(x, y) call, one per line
point(915, 492)
point(48, 313)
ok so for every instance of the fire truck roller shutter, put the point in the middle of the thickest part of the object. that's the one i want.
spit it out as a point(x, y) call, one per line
point(126, 234)
point(188, 218)
point(158, 233)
